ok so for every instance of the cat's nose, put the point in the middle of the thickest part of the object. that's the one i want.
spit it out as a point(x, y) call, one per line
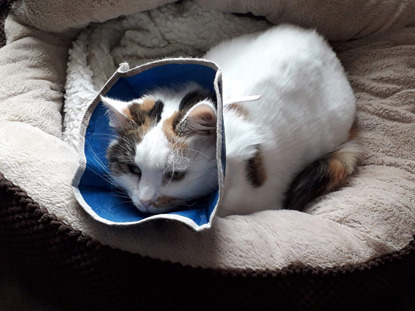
point(146, 203)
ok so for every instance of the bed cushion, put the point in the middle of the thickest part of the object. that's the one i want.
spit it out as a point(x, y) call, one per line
point(373, 215)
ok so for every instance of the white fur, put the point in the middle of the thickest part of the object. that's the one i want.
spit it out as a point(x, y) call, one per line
point(305, 110)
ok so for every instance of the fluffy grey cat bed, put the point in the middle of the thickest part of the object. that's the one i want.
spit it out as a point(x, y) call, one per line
point(362, 233)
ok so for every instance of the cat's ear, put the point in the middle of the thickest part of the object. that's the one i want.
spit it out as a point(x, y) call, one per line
point(200, 119)
point(118, 112)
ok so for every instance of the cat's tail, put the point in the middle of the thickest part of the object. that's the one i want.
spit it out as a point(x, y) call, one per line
point(326, 174)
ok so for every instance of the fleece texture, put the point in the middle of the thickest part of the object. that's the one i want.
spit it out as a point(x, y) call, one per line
point(373, 215)
point(174, 30)
point(338, 20)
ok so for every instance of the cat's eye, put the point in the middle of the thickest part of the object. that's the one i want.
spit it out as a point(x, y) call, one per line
point(134, 169)
point(175, 175)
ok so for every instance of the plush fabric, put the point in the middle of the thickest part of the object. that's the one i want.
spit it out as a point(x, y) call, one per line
point(33, 77)
point(62, 15)
point(374, 215)
point(338, 20)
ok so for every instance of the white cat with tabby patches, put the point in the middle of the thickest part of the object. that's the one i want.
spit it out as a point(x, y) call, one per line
point(292, 144)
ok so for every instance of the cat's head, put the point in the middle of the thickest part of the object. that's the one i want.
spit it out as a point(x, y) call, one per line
point(164, 153)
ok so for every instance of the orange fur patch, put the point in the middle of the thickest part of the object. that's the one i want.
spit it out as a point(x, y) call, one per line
point(168, 129)
point(175, 141)
point(337, 173)
point(342, 163)
point(147, 104)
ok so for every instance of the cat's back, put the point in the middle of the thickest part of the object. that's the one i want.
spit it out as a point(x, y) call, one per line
point(292, 69)
point(249, 62)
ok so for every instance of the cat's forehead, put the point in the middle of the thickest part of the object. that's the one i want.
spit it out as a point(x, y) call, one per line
point(158, 150)
point(162, 112)
point(155, 129)
point(153, 151)
point(152, 108)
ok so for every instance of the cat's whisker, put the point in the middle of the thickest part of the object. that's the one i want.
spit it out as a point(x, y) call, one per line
point(128, 141)
point(120, 193)
point(106, 177)
point(121, 196)
point(171, 177)
point(106, 137)
point(127, 200)
point(193, 150)
point(99, 161)
point(107, 134)
point(108, 180)
point(99, 174)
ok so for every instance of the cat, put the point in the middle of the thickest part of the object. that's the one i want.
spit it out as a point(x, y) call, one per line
point(296, 141)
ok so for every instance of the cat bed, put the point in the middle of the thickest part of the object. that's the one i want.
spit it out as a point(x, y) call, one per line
point(363, 231)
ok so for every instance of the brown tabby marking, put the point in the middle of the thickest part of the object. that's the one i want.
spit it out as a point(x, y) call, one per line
point(145, 114)
point(140, 117)
point(255, 169)
point(123, 151)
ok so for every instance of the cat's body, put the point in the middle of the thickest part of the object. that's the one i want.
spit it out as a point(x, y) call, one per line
point(305, 111)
